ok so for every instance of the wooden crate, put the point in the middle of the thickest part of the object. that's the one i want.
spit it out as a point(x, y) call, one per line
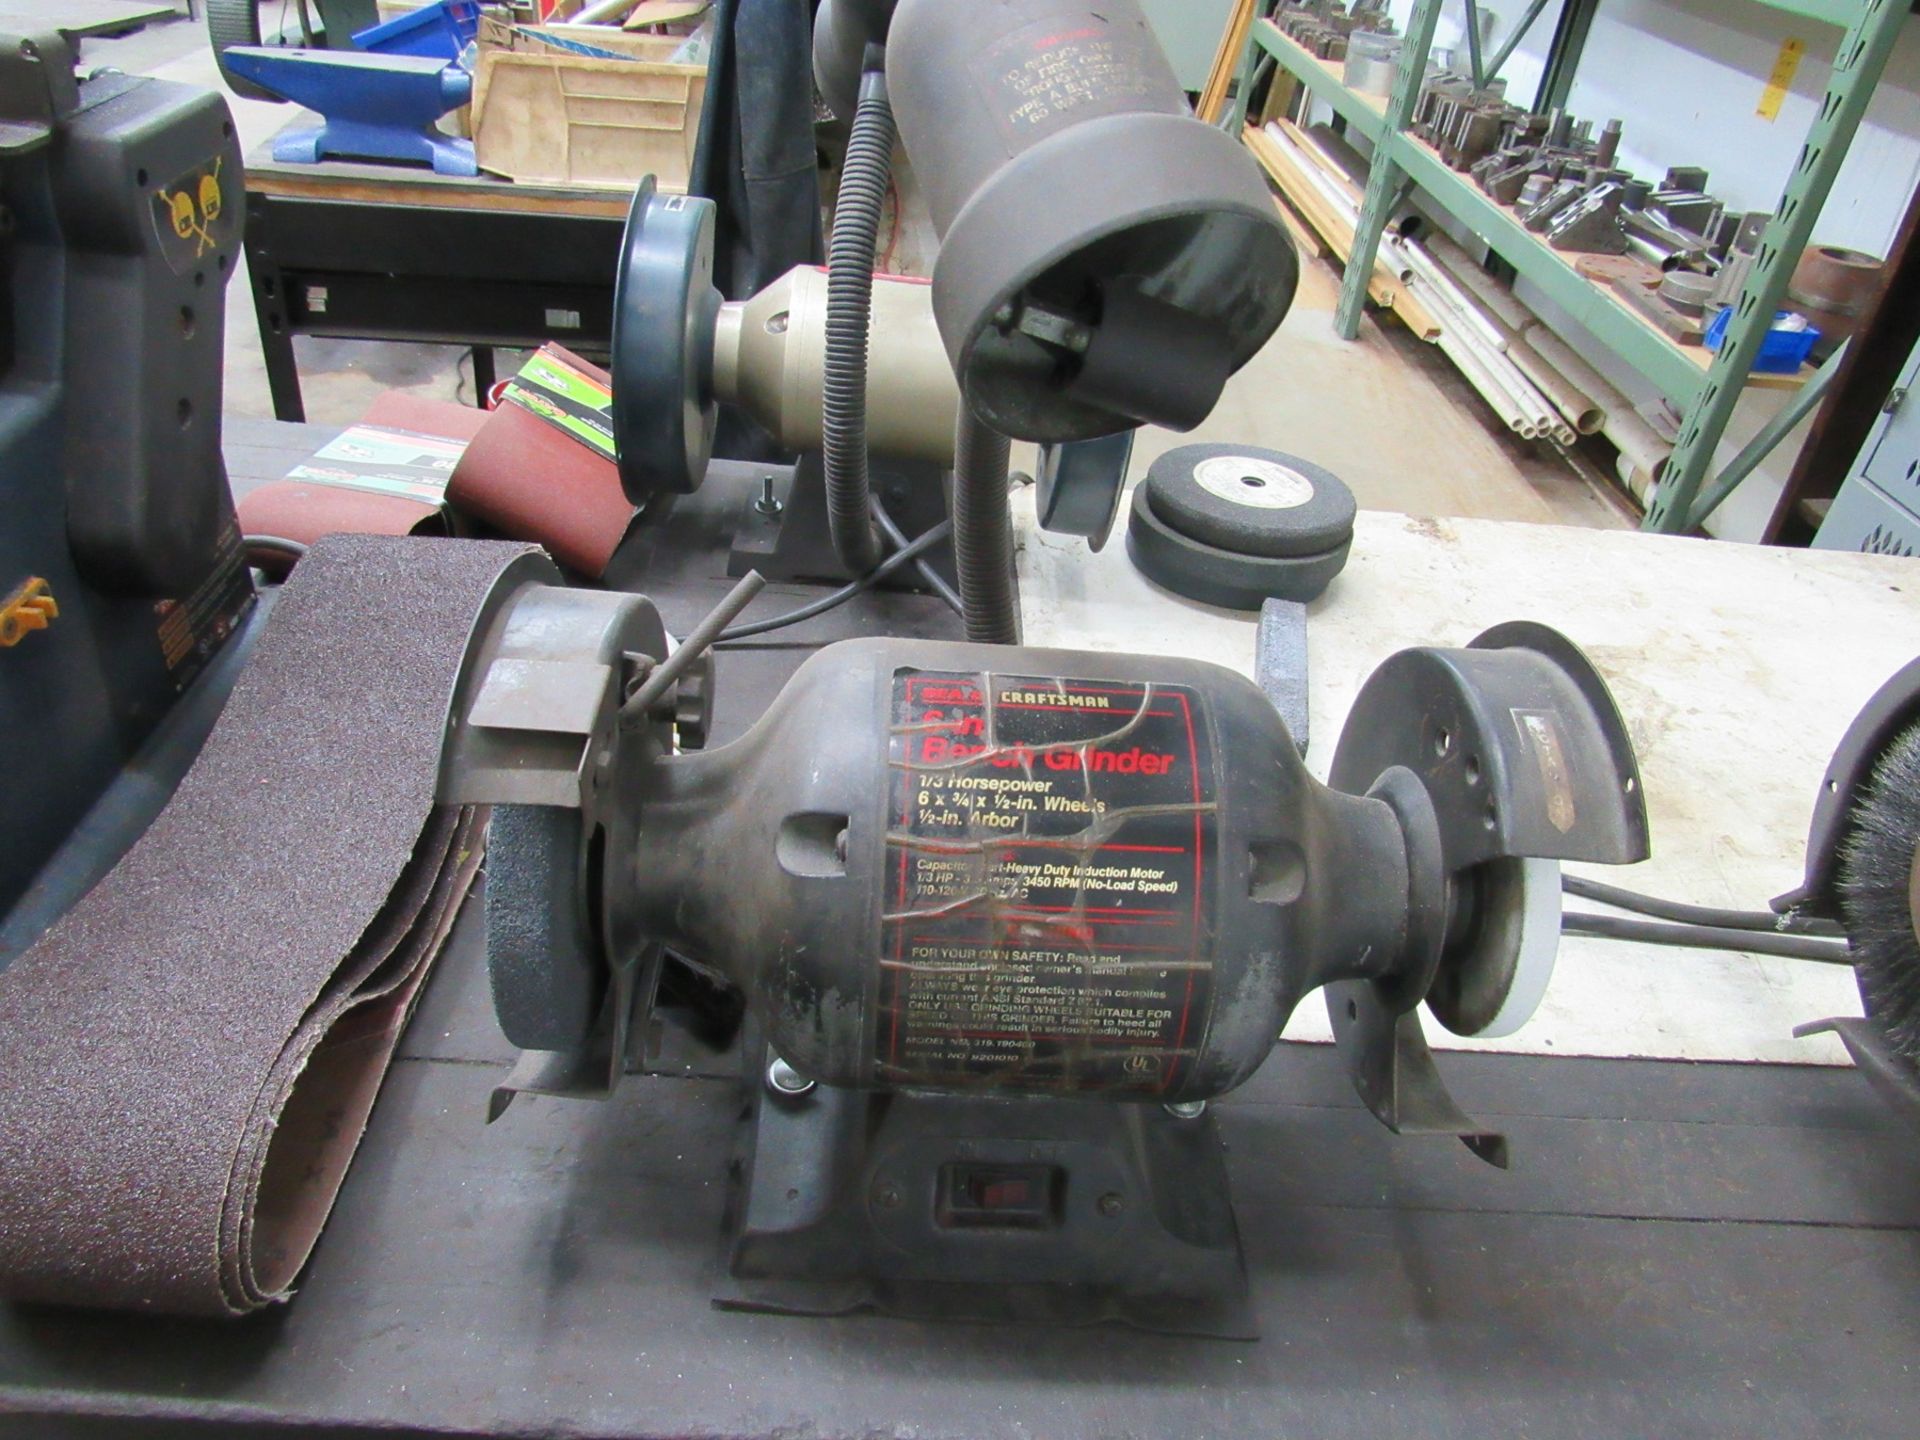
point(561, 119)
point(497, 34)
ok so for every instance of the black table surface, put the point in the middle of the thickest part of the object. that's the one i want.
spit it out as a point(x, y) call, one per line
point(1678, 1250)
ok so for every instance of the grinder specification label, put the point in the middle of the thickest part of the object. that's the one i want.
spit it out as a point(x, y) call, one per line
point(1050, 854)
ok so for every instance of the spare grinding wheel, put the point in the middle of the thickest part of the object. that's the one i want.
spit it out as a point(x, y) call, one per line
point(1209, 545)
point(664, 308)
point(1220, 577)
point(1250, 501)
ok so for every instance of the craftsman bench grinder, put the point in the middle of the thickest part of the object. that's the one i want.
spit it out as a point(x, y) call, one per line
point(1002, 921)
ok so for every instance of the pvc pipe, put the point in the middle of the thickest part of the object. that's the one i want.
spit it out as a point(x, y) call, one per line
point(1476, 376)
point(1500, 302)
point(1490, 372)
point(1469, 337)
point(1520, 395)
point(1582, 411)
point(1524, 396)
point(1566, 395)
point(1324, 184)
point(1638, 441)
point(1572, 386)
point(1489, 330)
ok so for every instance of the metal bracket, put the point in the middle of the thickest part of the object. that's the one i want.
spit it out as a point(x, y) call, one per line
point(594, 1070)
point(37, 89)
point(1892, 1076)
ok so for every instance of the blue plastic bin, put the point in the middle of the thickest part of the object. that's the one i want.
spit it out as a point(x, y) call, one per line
point(441, 31)
point(1783, 352)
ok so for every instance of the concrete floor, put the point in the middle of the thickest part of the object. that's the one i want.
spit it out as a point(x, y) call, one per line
point(1388, 414)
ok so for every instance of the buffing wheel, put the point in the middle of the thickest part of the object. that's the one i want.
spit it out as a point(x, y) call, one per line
point(1496, 983)
point(1215, 576)
point(664, 304)
point(1251, 501)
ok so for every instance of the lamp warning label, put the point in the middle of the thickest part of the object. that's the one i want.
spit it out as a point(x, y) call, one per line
point(1048, 75)
point(1050, 852)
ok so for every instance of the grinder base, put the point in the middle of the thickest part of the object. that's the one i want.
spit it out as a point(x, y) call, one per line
point(991, 1209)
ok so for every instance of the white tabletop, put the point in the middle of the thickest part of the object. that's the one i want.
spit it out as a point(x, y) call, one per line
point(1737, 668)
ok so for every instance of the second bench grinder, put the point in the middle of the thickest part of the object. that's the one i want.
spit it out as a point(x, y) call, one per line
point(1004, 919)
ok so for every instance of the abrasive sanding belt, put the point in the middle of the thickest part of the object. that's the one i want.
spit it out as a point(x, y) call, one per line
point(188, 1058)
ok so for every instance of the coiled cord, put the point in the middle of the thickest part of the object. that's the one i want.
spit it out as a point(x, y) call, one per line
point(864, 177)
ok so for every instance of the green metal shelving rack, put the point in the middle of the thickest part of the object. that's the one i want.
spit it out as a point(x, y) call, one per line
point(1706, 397)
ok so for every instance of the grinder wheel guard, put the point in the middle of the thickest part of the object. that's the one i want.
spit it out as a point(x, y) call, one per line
point(1000, 871)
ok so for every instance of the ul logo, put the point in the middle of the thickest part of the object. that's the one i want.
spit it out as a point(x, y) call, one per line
point(194, 206)
point(1140, 1064)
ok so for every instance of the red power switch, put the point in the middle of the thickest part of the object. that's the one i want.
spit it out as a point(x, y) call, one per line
point(1018, 1197)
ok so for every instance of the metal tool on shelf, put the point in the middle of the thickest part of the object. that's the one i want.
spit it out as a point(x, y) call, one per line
point(1327, 28)
point(1706, 396)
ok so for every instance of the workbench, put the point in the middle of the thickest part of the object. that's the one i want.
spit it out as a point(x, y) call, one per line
point(389, 252)
point(1681, 1249)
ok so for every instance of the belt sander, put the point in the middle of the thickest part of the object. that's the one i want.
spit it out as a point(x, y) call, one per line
point(120, 573)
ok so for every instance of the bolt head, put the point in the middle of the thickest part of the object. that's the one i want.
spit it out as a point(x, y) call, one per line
point(1111, 1204)
point(783, 1079)
point(1188, 1109)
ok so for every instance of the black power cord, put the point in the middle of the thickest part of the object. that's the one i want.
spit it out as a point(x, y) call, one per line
point(1685, 914)
point(1825, 950)
point(905, 555)
point(935, 581)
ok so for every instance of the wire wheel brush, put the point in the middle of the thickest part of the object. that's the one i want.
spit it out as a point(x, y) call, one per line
point(1859, 904)
point(1879, 891)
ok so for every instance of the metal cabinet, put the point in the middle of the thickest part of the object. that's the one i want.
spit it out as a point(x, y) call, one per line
point(1878, 507)
point(1189, 31)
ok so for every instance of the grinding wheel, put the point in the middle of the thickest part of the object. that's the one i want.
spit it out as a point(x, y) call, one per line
point(1251, 501)
point(1491, 984)
point(543, 953)
point(1077, 486)
point(664, 308)
point(1215, 576)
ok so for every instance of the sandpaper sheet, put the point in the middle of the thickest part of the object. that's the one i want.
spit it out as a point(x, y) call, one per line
point(188, 1058)
point(424, 415)
point(303, 511)
point(531, 480)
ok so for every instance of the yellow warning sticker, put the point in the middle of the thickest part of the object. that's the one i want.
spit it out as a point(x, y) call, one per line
point(1785, 66)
